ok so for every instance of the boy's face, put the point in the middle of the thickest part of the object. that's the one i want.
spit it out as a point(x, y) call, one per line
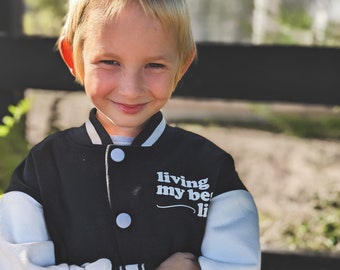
point(130, 65)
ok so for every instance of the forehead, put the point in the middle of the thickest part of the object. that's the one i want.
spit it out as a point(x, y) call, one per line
point(131, 27)
point(129, 13)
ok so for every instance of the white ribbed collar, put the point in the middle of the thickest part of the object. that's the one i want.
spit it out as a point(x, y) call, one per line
point(157, 131)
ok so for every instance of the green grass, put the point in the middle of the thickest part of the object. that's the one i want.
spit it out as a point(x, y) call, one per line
point(322, 231)
point(326, 126)
point(323, 127)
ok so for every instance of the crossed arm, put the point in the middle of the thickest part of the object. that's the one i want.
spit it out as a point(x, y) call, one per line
point(231, 241)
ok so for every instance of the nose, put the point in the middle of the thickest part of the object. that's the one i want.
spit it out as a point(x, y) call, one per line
point(131, 83)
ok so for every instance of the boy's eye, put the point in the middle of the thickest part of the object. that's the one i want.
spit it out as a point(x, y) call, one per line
point(110, 62)
point(155, 65)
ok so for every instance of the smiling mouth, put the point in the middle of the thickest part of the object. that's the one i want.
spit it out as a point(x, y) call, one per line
point(130, 108)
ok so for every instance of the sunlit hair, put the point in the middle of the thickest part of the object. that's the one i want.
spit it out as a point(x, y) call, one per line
point(173, 14)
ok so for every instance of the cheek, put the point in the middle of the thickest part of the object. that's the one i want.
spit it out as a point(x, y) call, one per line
point(162, 91)
point(98, 84)
point(162, 87)
point(92, 86)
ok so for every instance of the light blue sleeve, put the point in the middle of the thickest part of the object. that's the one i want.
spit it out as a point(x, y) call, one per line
point(24, 240)
point(231, 240)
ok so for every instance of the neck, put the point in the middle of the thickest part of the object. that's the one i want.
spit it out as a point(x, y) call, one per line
point(114, 130)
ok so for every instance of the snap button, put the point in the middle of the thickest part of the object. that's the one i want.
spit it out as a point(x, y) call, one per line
point(123, 220)
point(117, 155)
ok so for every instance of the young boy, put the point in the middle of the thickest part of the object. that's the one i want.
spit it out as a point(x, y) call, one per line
point(125, 190)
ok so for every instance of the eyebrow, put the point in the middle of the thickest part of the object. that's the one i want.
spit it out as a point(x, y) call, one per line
point(157, 57)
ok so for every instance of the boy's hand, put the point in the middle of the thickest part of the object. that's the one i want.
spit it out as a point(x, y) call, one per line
point(180, 261)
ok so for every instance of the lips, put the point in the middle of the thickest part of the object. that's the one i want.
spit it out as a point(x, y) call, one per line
point(130, 108)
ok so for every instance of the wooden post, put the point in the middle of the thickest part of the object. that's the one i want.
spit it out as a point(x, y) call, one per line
point(11, 12)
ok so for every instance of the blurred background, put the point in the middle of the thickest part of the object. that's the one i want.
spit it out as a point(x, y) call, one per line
point(287, 154)
point(303, 22)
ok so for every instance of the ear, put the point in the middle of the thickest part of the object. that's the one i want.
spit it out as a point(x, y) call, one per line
point(66, 52)
point(188, 63)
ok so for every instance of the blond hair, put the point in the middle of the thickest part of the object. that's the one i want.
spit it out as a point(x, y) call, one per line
point(172, 14)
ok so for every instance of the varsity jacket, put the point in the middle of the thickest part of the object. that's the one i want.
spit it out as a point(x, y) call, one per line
point(79, 201)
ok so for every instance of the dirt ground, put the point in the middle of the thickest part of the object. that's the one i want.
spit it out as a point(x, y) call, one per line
point(285, 174)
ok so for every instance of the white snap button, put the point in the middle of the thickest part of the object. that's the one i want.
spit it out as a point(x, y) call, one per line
point(123, 220)
point(117, 155)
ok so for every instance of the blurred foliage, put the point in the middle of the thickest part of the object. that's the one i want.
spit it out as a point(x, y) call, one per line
point(333, 34)
point(13, 149)
point(17, 112)
point(295, 22)
point(296, 16)
point(44, 17)
point(13, 145)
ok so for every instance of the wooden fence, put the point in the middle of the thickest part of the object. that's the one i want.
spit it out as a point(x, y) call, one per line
point(254, 73)
point(260, 73)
